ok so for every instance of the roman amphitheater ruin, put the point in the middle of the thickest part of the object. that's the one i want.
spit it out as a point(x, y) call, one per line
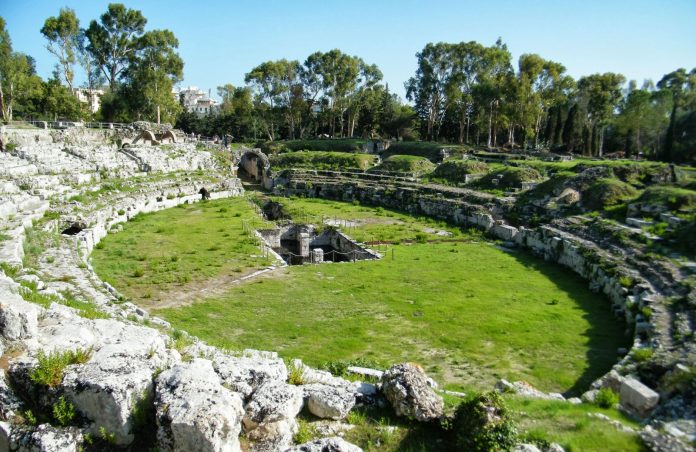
point(120, 362)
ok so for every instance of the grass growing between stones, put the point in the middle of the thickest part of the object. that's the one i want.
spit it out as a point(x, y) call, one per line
point(467, 311)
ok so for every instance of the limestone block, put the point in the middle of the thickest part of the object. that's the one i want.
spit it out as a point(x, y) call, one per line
point(18, 319)
point(504, 231)
point(244, 374)
point(637, 398)
point(194, 410)
point(328, 402)
point(270, 415)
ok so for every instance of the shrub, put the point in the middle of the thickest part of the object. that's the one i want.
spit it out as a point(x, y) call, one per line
point(305, 432)
point(421, 237)
point(295, 375)
point(675, 198)
point(642, 355)
point(138, 272)
point(482, 423)
point(339, 367)
point(606, 398)
point(333, 145)
point(63, 412)
point(626, 281)
point(49, 371)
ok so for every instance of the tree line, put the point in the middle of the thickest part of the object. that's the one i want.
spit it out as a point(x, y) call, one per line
point(470, 93)
point(329, 94)
point(138, 67)
point(466, 93)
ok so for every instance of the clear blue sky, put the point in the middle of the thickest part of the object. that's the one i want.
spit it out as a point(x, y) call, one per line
point(222, 40)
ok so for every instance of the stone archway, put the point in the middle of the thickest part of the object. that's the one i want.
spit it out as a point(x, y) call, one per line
point(255, 165)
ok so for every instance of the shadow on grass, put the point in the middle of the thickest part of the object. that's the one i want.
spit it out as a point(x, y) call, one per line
point(606, 333)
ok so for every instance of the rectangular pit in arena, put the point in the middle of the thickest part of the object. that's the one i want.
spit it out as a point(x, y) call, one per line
point(305, 244)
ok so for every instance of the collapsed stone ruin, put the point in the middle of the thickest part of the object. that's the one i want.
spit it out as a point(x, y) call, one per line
point(128, 374)
point(301, 244)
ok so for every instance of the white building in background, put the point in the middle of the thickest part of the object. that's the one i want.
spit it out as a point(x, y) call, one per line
point(92, 97)
point(195, 100)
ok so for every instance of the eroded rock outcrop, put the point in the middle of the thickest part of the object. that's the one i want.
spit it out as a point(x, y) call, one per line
point(194, 410)
point(270, 415)
point(406, 387)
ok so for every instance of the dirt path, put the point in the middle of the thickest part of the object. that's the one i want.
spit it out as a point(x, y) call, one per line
point(197, 290)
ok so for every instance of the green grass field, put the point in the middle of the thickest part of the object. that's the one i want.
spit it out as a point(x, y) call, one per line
point(466, 310)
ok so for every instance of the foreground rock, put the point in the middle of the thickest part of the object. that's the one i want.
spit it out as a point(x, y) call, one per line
point(194, 411)
point(637, 398)
point(270, 415)
point(328, 402)
point(44, 438)
point(118, 376)
point(246, 373)
point(334, 444)
point(406, 387)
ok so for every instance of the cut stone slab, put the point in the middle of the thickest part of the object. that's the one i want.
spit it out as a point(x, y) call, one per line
point(365, 372)
point(637, 398)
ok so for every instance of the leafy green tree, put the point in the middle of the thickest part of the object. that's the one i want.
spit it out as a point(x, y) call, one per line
point(19, 84)
point(601, 93)
point(89, 65)
point(338, 76)
point(226, 93)
point(150, 76)
point(58, 102)
point(496, 73)
point(364, 99)
point(62, 34)
point(274, 83)
point(682, 87)
point(467, 58)
point(542, 85)
point(428, 89)
point(642, 119)
point(115, 39)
